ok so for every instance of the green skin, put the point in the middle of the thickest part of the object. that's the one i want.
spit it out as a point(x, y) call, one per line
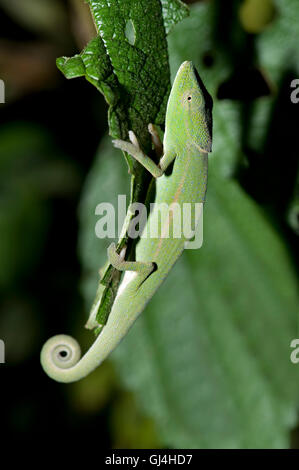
point(187, 141)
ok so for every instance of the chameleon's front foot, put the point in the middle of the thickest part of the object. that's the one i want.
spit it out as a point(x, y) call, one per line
point(133, 149)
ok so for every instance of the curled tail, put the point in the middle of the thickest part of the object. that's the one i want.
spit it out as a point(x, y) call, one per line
point(60, 355)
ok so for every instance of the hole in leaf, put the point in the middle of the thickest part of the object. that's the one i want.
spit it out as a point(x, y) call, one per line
point(130, 32)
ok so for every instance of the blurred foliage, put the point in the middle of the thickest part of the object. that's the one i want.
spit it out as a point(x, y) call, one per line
point(207, 364)
point(132, 430)
point(256, 14)
point(46, 17)
point(31, 172)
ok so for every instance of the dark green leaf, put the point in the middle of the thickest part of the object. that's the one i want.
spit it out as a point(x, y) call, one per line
point(173, 12)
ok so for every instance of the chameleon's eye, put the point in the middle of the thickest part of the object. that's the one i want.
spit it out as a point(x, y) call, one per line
point(189, 98)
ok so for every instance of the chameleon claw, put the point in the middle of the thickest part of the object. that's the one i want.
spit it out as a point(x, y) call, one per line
point(158, 146)
point(134, 140)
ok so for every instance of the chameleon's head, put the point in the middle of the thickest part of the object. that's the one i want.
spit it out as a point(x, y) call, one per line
point(190, 107)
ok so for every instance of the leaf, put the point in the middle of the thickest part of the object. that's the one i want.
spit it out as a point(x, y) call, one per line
point(202, 361)
point(128, 63)
point(173, 12)
point(209, 358)
point(277, 46)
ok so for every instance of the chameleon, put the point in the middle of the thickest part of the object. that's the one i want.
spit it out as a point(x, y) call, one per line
point(180, 177)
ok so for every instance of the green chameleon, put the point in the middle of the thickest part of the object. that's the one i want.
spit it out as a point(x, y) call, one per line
point(187, 142)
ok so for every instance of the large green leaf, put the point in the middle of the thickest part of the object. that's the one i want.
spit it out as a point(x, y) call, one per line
point(209, 359)
point(210, 355)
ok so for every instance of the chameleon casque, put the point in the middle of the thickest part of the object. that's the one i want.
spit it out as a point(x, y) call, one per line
point(187, 142)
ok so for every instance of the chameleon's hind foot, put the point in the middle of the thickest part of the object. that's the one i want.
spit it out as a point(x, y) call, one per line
point(119, 263)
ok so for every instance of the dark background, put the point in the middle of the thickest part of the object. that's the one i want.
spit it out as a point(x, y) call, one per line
point(50, 129)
